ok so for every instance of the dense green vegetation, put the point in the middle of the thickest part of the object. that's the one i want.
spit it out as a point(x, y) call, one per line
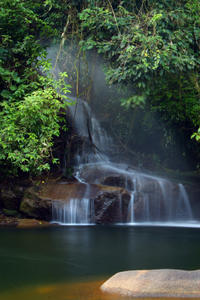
point(30, 103)
point(153, 47)
point(150, 47)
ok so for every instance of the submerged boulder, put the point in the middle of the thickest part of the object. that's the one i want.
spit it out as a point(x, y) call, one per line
point(155, 284)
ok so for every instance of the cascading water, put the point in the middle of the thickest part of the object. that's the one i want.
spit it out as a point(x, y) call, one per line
point(92, 135)
point(74, 211)
point(131, 217)
point(152, 199)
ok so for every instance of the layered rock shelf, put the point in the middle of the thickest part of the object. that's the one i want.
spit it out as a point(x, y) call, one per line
point(38, 202)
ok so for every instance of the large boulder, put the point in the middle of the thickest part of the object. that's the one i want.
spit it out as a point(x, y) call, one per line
point(111, 206)
point(10, 197)
point(34, 206)
point(155, 284)
point(12, 192)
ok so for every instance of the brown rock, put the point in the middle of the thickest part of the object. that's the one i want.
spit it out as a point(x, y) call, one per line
point(11, 197)
point(107, 199)
point(155, 284)
point(62, 191)
point(111, 206)
point(65, 192)
point(34, 206)
point(8, 221)
point(110, 203)
point(30, 223)
point(21, 223)
point(118, 180)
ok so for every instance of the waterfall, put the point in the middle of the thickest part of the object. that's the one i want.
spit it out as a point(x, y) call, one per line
point(152, 199)
point(93, 136)
point(76, 211)
point(131, 217)
point(184, 203)
point(158, 200)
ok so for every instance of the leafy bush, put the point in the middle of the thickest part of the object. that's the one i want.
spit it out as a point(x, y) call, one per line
point(31, 104)
point(28, 128)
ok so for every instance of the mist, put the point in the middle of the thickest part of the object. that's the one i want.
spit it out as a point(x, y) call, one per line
point(140, 137)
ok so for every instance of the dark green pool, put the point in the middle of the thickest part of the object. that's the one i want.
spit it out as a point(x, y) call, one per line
point(63, 254)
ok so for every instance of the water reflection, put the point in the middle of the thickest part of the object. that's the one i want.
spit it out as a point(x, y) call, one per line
point(75, 291)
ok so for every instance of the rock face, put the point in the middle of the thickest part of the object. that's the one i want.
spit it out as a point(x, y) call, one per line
point(111, 206)
point(155, 283)
point(34, 206)
point(21, 223)
point(32, 223)
point(37, 202)
point(110, 201)
point(118, 180)
point(10, 197)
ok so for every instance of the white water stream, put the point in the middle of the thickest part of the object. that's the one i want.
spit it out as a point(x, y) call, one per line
point(154, 200)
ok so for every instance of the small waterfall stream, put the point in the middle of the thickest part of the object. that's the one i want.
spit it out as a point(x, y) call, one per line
point(75, 211)
point(152, 199)
point(131, 217)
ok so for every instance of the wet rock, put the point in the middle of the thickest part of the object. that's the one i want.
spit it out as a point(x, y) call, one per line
point(7, 221)
point(155, 284)
point(62, 191)
point(111, 206)
point(148, 185)
point(31, 223)
point(118, 180)
point(94, 173)
point(34, 206)
point(110, 203)
point(11, 197)
point(11, 221)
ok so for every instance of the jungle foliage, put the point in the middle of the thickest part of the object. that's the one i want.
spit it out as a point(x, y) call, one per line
point(150, 47)
point(153, 46)
point(30, 104)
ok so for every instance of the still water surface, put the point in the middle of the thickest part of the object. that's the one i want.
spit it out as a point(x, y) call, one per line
point(59, 260)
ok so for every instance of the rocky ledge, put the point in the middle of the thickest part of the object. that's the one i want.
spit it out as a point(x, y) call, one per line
point(6, 221)
point(35, 201)
point(155, 284)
